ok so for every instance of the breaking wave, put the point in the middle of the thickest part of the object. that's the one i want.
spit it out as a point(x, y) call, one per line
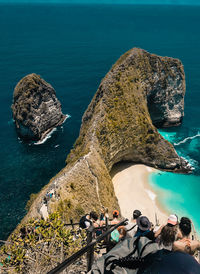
point(186, 139)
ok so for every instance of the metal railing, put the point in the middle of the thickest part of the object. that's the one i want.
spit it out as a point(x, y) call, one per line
point(89, 248)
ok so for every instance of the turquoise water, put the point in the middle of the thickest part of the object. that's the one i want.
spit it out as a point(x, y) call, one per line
point(73, 47)
point(180, 193)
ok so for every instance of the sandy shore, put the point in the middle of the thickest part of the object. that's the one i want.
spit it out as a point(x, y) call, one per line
point(134, 192)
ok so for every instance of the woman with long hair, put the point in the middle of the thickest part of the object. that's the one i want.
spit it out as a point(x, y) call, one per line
point(169, 233)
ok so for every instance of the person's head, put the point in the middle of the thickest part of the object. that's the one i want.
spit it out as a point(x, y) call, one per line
point(143, 223)
point(93, 215)
point(136, 214)
point(115, 214)
point(185, 226)
point(168, 234)
point(105, 210)
point(104, 213)
point(172, 220)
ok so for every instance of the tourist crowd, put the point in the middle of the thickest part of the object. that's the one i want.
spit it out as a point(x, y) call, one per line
point(172, 246)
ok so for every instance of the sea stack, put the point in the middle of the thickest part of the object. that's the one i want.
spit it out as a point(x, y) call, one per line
point(36, 110)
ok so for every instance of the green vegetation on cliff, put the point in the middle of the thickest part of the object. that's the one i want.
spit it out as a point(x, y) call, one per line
point(117, 121)
point(40, 245)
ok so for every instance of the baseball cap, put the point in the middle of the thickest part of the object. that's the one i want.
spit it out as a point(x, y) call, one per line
point(172, 219)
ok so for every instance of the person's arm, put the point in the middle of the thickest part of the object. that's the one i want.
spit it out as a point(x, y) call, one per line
point(183, 246)
point(195, 245)
point(95, 224)
point(102, 222)
point(87, 224)
point(157, 233)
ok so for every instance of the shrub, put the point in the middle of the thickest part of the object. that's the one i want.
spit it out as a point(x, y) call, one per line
point(40, 245)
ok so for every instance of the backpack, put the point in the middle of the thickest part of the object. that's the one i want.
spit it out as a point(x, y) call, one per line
point(126, 257)
point(139, 250)
point(82, 221)
point(114, 236)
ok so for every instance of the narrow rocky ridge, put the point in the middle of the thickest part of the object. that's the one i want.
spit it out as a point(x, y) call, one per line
point(118, 126)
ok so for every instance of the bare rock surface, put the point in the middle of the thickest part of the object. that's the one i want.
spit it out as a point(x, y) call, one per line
point(36, 110)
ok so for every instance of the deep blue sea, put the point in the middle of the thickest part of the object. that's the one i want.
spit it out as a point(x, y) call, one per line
point(72, 47)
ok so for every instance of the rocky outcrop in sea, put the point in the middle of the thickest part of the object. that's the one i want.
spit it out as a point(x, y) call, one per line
point(36, 110)
point(140, 90)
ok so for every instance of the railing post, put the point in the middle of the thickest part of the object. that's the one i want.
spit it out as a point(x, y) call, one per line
point(107, 237)
point(90, 252)
point(71, 221)
point(59, 268)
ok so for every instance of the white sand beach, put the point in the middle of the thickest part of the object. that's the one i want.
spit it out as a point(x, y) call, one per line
point(134, 192)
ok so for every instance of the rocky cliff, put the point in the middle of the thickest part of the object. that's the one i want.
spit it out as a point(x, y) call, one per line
point(36, 110)
point(117, 126)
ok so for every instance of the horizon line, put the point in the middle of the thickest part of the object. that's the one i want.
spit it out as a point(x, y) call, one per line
point(104, 2)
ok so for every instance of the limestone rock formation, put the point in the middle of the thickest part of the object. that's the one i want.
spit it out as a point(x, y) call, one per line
point(36, 110)
point(116, 127)
point(118, 122)
point(165, 89)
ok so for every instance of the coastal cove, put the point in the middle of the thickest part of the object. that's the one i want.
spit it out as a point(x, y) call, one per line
point(133, 191)
point(74, 64)
point(155, 193)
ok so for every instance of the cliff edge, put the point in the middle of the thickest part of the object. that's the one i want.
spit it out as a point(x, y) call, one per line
point(140, 90)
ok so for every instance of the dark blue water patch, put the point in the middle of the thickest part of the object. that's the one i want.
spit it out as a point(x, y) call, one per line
point(25, 169)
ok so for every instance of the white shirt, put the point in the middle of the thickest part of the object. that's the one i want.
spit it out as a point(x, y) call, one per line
point(131, 229)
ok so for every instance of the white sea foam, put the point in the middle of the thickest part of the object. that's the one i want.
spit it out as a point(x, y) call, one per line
point(67, 116)
point(192, 163)
point(50, 133)
point(46, 138)
point(56, 146)
point(186, 139)
point(20, 141)
point(151, 194)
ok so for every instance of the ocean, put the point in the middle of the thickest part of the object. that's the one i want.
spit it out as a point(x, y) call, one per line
point(72, 47)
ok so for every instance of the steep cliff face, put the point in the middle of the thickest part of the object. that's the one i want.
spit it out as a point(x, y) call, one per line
point(117, 121)
point(165, 89)
point(36, 110)
point(116, 127)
